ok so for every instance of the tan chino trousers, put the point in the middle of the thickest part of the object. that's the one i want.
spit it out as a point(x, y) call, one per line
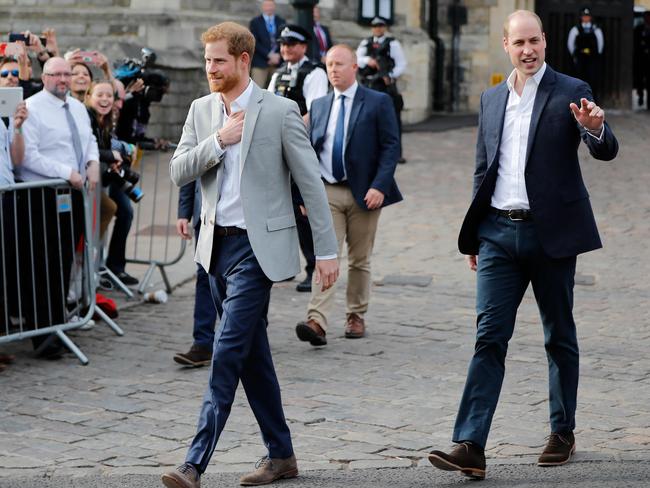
point(358, 228)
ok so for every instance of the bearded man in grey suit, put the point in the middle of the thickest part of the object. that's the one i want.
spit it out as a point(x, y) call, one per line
point(245, 144)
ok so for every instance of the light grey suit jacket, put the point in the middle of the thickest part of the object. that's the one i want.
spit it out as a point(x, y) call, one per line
point(274, 147)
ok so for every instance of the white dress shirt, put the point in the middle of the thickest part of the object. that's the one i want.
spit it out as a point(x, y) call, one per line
point(510, 190)
point(49, 152)
point(325, 156)
point(315, 85)
point(6, 166)
point(396, 53)
point(229, 208)
point(573, 33)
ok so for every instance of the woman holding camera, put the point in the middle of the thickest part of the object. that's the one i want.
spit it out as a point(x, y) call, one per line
point(100, 100)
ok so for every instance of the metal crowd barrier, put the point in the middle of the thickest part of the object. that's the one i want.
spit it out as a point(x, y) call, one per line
point(153, 239)
point(47, 271)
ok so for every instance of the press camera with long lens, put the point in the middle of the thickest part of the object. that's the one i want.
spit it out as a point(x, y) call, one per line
point(129, 179)
point(155, 81)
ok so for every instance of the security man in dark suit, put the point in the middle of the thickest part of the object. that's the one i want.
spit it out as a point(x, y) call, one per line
point(301, 80)
point(205, 313)
point(529, 218)
point(322, 38)
point(265, 29)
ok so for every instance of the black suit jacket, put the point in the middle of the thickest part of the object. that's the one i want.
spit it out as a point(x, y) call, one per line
point(559, 201)
point(257, 27)
point(329, 42)
point(371, 142)
point(189, 202)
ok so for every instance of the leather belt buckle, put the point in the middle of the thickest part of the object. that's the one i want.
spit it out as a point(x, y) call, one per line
point(516, 215)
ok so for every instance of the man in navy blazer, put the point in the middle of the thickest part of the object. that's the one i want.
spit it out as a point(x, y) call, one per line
point(266, 29)
point(205, 313)
point(357, 143)
point(529, 218)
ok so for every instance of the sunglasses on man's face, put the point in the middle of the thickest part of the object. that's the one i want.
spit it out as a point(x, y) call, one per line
point(5, 72)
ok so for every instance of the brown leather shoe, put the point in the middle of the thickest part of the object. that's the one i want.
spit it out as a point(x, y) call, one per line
point(185, 476)
point(355, 328)
point(311, 331)
point(270, 469)
point(559, 449)
point(195, 357)
point(466, 457)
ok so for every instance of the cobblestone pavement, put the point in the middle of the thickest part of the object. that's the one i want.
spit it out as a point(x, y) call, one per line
point(380, 402)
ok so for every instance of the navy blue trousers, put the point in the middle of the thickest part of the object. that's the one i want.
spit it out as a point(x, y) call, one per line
point(241, 293)
point(205, 313)
point(511, 257)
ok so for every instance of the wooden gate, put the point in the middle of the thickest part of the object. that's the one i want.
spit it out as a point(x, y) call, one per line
point(615, 18)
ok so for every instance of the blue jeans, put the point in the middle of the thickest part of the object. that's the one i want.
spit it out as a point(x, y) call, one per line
point(205, 312)
point(511, 257)
point(116, 258)
point(241, 293)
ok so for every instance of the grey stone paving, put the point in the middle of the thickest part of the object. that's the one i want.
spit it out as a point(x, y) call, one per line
point(380, 402)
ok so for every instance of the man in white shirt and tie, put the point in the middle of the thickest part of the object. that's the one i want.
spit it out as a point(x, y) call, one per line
point(357, 163)
point(59, 144)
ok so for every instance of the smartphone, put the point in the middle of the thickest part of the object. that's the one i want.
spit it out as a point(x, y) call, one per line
point(17, 36)
point(9, 49)
point(9, 99)
point(89, 57)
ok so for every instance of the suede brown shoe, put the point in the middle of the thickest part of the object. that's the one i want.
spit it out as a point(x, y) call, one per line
point(195, 357)
point(311, 331)
point(185, 476)
point(355, 327)
point(270, 469)
point(559, 449)
point(466, 457)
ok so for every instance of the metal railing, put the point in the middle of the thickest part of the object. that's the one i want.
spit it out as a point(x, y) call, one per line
point(47, 262)
point(153, 240)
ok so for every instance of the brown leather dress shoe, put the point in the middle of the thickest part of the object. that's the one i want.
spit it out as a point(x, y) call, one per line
point(311, 331)
point(466, 457)
point(559, 449)
point(270, 469)
point(195, 357)
point(185, 476)
point(355, 327)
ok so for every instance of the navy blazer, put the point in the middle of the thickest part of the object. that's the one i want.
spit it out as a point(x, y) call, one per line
point(371, 143)
point(257, 27)
point(559, 201)
point(329, 42)
point(189, 202)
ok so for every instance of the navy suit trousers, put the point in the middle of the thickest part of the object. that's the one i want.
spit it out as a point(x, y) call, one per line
point(205, 313)
point(511, 257)
point(241, 293)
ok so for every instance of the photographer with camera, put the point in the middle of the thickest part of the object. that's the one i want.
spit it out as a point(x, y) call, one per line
point(116, 176)
point(144, 85)
point(381, 62)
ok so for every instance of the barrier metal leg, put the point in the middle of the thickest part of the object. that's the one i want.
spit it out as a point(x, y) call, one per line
point(163, 273)
point(109, 321)
point(72, 346)
point(146, 278)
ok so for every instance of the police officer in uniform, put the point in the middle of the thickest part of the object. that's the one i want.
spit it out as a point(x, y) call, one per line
point(302, 80)
point(586, 44)
point(642, 59)
point(381, 62)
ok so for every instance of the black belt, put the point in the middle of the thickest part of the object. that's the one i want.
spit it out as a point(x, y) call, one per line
point(336, 183)
point(228, 231)
point(515, 214)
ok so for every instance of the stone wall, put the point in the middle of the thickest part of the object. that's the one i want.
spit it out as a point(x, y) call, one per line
point(120, 28)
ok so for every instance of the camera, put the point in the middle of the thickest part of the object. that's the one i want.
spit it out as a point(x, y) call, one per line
point(155, 81)
point(125, 177)
point(129, 179)
point(16, 36)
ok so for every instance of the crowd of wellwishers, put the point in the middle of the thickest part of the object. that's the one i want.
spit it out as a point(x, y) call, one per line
point(113, 111)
